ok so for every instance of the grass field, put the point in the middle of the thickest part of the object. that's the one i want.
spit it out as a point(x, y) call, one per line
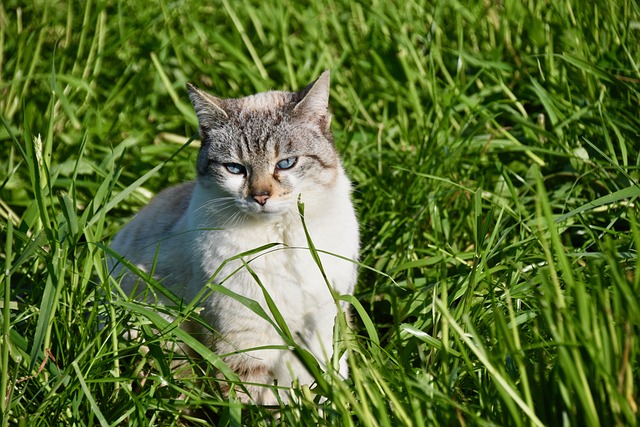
point(494, 148)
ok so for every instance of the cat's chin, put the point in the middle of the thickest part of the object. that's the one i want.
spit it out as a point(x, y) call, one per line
point(264, 213)
point(264, 216)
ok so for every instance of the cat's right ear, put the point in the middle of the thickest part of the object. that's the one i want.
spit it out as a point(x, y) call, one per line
point(209, 109)
point(314, 106)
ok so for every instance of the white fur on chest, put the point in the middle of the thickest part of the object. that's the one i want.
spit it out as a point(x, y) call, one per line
point(287, 271)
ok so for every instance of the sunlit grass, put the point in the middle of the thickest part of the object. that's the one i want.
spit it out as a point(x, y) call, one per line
point(495, 158)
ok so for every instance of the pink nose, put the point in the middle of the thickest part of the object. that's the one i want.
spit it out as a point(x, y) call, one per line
point(261, 198)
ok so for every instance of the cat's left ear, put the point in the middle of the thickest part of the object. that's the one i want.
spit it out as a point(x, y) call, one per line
point(314, 106)
point(209, 109)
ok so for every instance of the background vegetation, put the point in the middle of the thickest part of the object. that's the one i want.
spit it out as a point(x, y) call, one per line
point(495, 151)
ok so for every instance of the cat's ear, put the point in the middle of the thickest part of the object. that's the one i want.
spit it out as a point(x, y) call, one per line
point(209, 109)
point(314, 106)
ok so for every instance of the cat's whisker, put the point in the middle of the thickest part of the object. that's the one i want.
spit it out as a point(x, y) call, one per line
point(236, 219)
point(217, 206)
point(218, 201)
point(217, 210)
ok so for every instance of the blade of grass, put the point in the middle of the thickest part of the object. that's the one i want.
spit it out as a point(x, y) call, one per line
point(482, 356)
point(87, 394)
point(164, 325)
point(185, 109)
point(6, 325)
point(632, 193)
point(247, 42)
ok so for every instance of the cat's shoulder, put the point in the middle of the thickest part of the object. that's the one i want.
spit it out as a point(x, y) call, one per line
point(177, 193)
point(169, 204)
point(152, 223)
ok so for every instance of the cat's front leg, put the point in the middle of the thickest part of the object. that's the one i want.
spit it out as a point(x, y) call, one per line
point(256, 370)
point(255, 378)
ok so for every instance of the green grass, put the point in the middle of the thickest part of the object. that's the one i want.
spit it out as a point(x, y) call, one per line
point(495, 153)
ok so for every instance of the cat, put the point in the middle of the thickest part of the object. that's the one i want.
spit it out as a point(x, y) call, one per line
point(260, 156)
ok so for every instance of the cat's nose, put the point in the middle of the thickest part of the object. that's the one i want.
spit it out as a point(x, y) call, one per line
point(261, 198)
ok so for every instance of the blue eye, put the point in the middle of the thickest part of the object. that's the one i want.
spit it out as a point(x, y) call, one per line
point(235, 168)
point(286, 163)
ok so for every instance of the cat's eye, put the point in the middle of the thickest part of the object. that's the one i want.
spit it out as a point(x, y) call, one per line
point(235, 168)
point(286, 163)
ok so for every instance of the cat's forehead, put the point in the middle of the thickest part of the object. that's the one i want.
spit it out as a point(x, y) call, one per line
point(265, 102)
point(263, 112)
point(256, 125)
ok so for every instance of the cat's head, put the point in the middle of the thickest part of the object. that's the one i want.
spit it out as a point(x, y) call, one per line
point(266, 149)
